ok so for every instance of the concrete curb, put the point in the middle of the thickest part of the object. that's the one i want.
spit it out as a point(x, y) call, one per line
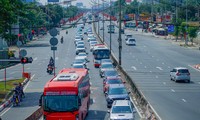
point(9, 101)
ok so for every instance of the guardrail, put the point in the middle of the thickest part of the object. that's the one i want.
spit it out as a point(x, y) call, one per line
point(147, 110)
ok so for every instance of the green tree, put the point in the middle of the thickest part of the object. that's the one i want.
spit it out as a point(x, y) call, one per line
point(192, 31)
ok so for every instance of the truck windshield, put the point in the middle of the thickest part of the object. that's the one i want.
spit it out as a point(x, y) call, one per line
point(60, 103)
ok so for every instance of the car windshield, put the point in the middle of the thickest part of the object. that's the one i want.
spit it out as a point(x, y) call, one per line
point(78, 66)
point(106, 60)
point(131, 40)
point(77, 37)
point(117, 91)
point(183, 71)
point(121, 109)
point(80, 46)
point(78, 61)
point(93, 42)
point(114, 81)
point(111, 73)
point(60, 103)
point(106, 66)
point(129, 35)
point(82, 54)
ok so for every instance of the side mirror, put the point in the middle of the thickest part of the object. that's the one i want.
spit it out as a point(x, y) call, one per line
point(40, 100)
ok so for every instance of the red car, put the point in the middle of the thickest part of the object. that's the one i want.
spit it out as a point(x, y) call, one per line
point(111, 80)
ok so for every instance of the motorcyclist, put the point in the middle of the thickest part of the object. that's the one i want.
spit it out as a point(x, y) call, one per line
point(51, 62)
point(50, 68)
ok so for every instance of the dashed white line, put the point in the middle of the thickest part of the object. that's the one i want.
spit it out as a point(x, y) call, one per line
point(134, 67)
point(145, 66)
point(163, 63)
point(184, 100)
point(35, 58)
point(199, 82)
point(140, 63)
point(169, 67)
point(150, 71)
point(164, 83)
point(157, 60)
point(159, 68)
point(156, 76)
point(152, 56)
point(172, 90)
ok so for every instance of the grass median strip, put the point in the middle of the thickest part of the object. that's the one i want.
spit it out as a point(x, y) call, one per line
point(10, 84)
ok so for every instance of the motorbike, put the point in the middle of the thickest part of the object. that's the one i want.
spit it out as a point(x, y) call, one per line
point(50, 70)
point(61, 41)
point(16, 100)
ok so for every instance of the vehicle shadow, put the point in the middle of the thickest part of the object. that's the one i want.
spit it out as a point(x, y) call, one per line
point(97, 115)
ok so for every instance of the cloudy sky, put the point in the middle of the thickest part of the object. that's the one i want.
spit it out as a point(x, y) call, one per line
point(85, 2)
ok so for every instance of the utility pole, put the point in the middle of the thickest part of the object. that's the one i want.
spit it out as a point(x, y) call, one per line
point(152, 11)
point(103, 21)
point(176, 11)
point(98, 17)
point(110, 31)
point(186, 23)
point(120, 37)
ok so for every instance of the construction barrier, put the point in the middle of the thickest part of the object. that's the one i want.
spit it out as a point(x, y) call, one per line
point(26, 75)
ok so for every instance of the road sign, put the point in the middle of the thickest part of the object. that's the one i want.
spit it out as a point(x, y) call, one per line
point(53, 32)
point(170, 28)
point(19, 43)
point(53, 48)
point(23, 52)
point(53, 41)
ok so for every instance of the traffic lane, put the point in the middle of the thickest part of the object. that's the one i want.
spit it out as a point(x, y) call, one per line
point(149, 71)
point(175, 108)
point(137, 117)
point(36, 85)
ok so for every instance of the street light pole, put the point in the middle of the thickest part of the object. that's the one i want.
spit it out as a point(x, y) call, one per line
point(103, 21)
point(98, 17)
point(110, 31)
point(120, 38)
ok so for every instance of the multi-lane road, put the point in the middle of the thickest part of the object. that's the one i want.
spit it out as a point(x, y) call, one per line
point(65, 54)
point(149, 63)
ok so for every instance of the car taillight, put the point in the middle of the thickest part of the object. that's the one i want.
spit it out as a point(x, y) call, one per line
point(77, 117)
point(178, 74)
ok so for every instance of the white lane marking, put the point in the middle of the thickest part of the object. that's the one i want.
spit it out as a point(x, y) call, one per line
point(194, 68)
point(164, 83)
point(12, 105)
point(6, 110)
point(169, 67)
point(172, 90)
point(199, 82)
point(144, 46)
point(150, 71)
point(29, 82)
point(157, 60)
point(163, 63)
point(56, 58)
point(35, 58)
point(152, 56)
point(145, 66)
point(141, 63)
point(159, 68)
point(156, 76)
point(184, 100)
point(134, 67)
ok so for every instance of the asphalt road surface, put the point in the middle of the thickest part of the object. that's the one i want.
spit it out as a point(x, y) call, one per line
point(41, 52)
point(149, 63)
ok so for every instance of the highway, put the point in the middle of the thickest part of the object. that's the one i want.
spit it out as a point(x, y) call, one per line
point(41, 52)
point(149, 63)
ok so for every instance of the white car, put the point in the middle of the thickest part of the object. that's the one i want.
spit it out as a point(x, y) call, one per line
point(92, 44)
point(83, 54)
point(122, 110)
point(180, 74)
point(77, 38)
point(80, 48)
point(91, 39)
point(131, 41)
point(80, 43)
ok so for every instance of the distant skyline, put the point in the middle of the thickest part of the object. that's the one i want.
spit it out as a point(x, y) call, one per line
point(85, 2)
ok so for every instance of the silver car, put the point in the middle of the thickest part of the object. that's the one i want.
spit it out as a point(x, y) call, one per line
point(122, 110)
point(179, 74)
